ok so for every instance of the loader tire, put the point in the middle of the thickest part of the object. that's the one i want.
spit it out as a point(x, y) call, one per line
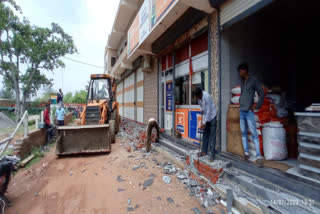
point(114, 117)
point(112, 127)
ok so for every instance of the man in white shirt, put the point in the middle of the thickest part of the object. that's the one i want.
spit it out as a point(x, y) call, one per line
point(209, 122)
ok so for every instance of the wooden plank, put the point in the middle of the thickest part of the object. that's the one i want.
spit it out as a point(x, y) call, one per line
point(84, 152)
point(83, 127)
point(27, 160)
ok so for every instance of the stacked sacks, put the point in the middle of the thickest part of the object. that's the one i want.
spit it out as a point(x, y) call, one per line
point(279, 105)
point(262, 116)
point(278, 112)
point(236, 92)
point(252, 148)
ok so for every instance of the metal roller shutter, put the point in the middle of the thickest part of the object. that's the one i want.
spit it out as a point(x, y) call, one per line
point(238, 9)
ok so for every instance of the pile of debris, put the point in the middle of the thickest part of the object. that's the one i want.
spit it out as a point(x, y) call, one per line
point(135, 134)
point(6, 122)
point(199, 187)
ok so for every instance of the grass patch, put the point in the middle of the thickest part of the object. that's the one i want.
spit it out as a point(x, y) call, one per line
point(8, 152)
point(38, 155)
point(9, 114)
point(31, 127)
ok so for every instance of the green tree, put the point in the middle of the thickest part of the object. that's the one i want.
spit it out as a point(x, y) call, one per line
point(80, 97)
point(68, 97)
point(38, 49)
point(7, 93)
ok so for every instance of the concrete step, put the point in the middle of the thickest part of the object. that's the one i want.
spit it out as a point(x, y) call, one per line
point(268, 196)
point(174, 147)
point(242, 201)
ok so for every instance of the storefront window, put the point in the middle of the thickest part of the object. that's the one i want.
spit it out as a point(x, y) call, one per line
point(182, 87)
point(182, 90)
point(199, 80)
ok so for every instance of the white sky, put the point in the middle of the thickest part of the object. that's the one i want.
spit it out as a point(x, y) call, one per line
point(88, 21)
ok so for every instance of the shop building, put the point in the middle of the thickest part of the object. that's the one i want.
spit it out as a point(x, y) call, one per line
point(153, 41)
point(160, 51)
point(279, 42)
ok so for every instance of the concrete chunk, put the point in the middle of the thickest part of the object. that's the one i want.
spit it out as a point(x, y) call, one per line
point(166, 179)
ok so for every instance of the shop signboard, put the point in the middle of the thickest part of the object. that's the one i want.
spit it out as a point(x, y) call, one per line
point(147, 18)
point(158, 9)
point(133, 35)
point(195, 119)
point(182, 122)
point(144, 20)
point(169, 96)
point(140, 27)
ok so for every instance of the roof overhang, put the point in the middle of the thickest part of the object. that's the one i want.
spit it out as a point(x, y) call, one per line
point(178, 9)
point(122, 64)
point(216, 3)
point(125, 12)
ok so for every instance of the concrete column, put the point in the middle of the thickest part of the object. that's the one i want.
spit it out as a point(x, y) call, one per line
point(25, 124)
point(37, 123)
point(41, 117)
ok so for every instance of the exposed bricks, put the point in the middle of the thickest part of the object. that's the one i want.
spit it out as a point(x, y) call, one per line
point(128, 149)
point(188, 160)
point(205, 170)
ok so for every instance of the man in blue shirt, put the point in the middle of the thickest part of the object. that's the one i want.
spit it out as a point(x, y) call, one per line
point(60, 113)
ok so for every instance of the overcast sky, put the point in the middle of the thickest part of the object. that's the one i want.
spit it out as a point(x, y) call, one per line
point(88, 21)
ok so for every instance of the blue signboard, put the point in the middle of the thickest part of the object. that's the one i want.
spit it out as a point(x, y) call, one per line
point(169, 96)
point(193, 124)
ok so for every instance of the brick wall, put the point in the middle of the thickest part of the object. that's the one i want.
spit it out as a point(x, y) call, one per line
point(23, 146)
point(67, 118)
point(150, 108)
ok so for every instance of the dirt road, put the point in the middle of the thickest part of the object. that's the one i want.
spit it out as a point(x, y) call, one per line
point(98, 184)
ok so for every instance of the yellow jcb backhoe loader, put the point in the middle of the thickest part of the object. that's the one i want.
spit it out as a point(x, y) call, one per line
point(99, 120)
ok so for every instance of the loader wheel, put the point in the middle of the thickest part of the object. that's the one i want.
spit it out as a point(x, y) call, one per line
point(114, 117)
point(112, 126)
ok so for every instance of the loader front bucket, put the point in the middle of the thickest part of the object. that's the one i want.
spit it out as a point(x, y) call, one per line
point(83, 139)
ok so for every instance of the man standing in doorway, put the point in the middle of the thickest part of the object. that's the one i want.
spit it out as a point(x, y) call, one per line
point(209, 122)
point(249, 86)
point(60, 113)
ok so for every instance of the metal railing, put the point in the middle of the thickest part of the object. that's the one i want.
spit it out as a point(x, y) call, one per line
point(7, 141)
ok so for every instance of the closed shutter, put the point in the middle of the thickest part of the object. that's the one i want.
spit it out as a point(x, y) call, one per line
point(120, 97)
point(139, 89)
point(128, 105)
point(233, 9)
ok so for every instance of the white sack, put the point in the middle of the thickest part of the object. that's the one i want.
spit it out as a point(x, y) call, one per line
point(274, 141)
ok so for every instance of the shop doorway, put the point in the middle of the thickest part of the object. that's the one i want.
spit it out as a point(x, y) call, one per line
point(281, 45)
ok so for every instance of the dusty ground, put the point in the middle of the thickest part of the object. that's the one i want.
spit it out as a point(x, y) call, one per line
point(89, 184)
